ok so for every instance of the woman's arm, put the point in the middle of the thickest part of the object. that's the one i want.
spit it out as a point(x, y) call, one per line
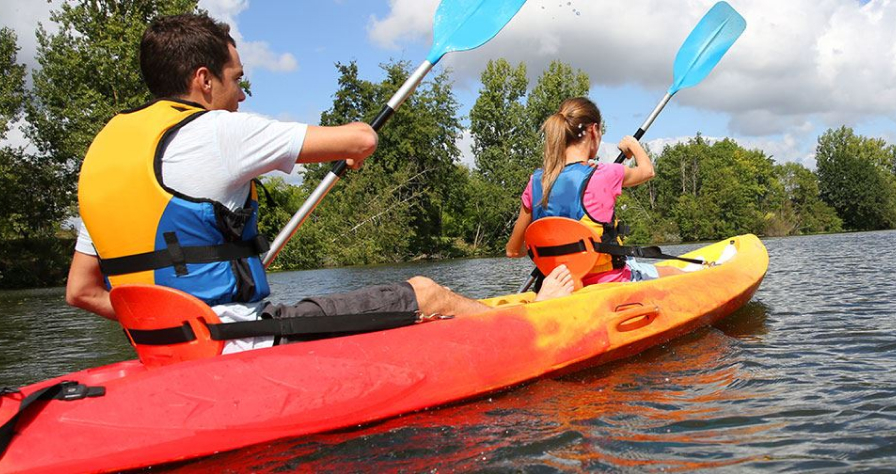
point(516, 246)
point(641, 173)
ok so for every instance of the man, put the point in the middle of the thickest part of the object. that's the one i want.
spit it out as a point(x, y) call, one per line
point(167, 197)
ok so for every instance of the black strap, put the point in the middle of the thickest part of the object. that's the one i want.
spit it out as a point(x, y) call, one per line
point(176, 252)
point(303, 326)
point(559, 250)
point(177, 256)
point(640, 252)
point(611, 249)
point(269, 201)
point(162, 337)
point(309, 325)
point(66, 390)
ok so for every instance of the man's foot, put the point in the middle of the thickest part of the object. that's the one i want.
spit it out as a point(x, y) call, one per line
point(558, 283)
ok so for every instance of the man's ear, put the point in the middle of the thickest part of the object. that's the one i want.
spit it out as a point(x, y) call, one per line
point(202, 80)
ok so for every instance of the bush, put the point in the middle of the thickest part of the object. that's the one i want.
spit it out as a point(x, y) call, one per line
point(33, 263)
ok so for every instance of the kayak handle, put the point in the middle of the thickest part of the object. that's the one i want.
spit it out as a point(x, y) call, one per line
point(634, 316)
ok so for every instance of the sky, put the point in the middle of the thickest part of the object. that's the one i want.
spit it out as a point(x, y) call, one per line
point(800, 67)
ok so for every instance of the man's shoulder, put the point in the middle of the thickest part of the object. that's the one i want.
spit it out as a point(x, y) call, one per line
point(242, 121)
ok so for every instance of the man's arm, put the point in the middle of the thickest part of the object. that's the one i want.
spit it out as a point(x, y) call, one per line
point(86, 288)
point(353, 142)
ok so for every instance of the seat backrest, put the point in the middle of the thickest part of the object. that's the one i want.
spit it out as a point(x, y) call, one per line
point(154, 316)
point(555, 241)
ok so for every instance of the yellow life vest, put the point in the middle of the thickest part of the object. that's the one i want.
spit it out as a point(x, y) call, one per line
point(145, 232)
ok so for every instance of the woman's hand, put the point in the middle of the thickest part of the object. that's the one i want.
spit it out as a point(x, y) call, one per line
point(630, 146)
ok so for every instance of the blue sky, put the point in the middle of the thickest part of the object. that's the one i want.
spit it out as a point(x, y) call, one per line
point(801, 66)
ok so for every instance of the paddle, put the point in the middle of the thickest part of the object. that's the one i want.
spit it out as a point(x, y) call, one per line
point(701, 51)
point(458, 25)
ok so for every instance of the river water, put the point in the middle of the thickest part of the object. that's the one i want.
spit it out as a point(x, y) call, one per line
point(802, 379)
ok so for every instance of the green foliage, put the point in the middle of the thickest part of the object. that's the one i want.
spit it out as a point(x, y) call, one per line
point(89, 71)
point(855, 177)
point(504, 143)
point(558, 83)
point(35, 262)
point(33, 202)
point(706, 191)
point(394, 207)
point(12, 81)
point(800, 210)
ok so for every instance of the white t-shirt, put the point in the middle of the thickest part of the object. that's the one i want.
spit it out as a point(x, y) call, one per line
point(216, 157)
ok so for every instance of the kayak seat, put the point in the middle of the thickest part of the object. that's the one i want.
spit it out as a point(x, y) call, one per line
point(165, 325)
point(555, 241)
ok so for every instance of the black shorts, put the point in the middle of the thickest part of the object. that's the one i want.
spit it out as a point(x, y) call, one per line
point(394, 298)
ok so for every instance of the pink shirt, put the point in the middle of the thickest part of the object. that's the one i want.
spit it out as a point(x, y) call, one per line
point(599, 199)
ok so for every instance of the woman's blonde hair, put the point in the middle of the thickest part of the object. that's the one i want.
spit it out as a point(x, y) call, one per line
point(564, 128)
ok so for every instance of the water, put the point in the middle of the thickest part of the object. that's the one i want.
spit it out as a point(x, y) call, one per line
point(799, 380)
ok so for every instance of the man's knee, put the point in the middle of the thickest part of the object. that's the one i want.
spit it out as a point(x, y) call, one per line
point(423, 286)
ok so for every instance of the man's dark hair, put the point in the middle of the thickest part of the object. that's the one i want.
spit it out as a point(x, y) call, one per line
point(173, 47)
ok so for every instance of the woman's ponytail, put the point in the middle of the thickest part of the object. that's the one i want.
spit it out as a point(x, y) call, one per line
point(556, 131)
point(561, 130)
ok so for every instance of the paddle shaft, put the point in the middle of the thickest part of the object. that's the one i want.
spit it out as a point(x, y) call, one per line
point(529, 281)
point(647, 123)
point(340, 167)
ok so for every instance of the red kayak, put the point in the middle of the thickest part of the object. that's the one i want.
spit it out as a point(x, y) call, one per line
point(196, 408)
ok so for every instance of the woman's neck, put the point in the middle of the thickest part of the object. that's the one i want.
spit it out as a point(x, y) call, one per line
point(577, 153)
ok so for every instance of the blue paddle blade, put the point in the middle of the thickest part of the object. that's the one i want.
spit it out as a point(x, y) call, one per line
point(460, 25)
point(705, 46)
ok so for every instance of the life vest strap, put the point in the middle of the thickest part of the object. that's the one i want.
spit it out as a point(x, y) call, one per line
point(177, 256)
point(280, 327)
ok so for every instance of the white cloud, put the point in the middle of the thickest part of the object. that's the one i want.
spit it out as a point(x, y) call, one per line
point(407, 20)
point(465, 144)
point(799, 65)
point(254, 54)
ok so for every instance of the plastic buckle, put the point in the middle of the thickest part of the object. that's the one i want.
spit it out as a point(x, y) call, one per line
point(72, 390)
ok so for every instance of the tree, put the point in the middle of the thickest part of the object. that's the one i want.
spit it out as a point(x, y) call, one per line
point(12, 81)
point(854, 180)
point(503, 145)
point(89, 71)
point(713, 191)
point(558, 83)
point(800, 206)
point(393, 208)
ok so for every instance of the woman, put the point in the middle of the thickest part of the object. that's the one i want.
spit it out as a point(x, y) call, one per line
point(568, 186)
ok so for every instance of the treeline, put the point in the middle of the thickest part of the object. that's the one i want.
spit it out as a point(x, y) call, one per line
point(413, 198)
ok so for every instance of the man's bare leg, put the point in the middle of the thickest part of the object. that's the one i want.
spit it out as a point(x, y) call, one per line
point(433, 298)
